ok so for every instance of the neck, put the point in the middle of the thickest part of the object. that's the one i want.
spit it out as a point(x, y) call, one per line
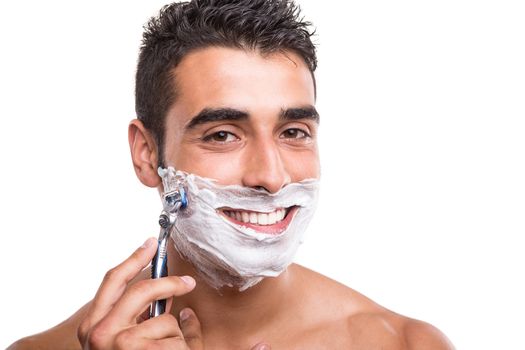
point(227, 311)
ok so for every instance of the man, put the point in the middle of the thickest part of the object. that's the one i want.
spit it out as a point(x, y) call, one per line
point(226, 90)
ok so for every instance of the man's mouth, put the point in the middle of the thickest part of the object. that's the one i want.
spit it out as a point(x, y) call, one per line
point(274, 222)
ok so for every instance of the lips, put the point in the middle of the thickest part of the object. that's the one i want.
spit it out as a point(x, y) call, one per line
point(273, 223)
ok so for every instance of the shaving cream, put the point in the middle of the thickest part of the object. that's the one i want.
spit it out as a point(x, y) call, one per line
point(228, 254)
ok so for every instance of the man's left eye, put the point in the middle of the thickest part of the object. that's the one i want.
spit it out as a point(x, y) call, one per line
point(294, 134)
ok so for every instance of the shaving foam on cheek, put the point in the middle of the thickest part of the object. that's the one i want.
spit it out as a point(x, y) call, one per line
point(228, 254)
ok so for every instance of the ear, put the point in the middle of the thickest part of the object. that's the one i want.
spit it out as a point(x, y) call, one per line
point(144, 154)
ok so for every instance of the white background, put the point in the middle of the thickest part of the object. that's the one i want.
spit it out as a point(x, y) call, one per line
point(422, 145)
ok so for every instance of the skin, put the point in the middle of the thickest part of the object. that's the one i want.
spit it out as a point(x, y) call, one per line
point(300, 309)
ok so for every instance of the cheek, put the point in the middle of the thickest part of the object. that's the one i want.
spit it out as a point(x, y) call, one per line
point(302, 165)
point(226, 168)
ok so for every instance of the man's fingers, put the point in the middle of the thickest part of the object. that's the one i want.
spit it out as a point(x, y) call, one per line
point(138, 296)
point(172, 343)
point(191, 329)
point(116, 280)
point(160, 327)
point(145, 314)
point(164, 330)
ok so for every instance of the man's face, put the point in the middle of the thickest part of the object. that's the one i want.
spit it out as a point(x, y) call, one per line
point(243, 119)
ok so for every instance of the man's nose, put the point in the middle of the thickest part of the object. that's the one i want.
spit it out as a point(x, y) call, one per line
point(265, 167)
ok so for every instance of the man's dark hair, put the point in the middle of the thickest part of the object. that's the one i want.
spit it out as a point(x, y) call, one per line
point(267, 26)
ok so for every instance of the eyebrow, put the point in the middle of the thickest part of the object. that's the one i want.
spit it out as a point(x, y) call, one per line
point(209, 115)
point(308, 112)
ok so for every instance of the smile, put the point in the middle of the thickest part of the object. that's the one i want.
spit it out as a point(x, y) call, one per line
point(274, 222)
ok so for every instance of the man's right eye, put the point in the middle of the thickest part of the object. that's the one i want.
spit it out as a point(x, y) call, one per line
point(220, 137)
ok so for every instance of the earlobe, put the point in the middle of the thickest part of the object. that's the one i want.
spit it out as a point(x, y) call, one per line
point(144, 153)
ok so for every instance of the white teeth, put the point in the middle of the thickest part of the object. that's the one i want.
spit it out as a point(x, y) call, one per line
point(262, 219)
point(256, 218)
point(272, 218)
point(253, 218)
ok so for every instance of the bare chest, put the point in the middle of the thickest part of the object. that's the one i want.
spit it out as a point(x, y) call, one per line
point(329, 336)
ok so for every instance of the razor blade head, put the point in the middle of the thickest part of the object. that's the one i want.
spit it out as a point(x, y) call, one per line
point(175, 200)
point(174, 196)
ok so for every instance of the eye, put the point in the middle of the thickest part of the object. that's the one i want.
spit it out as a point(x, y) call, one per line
point(294, 133)
point(220, 137)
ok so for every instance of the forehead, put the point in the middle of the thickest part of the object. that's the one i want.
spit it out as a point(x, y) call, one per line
point(242, 79)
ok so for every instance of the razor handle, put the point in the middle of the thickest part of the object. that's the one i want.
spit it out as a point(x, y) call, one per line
point(159, 269)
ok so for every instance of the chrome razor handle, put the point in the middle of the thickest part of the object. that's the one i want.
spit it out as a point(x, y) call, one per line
point(159, 266)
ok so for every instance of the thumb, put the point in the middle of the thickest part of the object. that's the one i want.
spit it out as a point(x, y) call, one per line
point(261, 346)
point(191, 329)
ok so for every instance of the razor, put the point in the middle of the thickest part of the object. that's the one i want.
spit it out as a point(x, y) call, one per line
point(173, 201)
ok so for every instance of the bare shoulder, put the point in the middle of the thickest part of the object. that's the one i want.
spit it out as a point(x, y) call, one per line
point(421, 335)
point(385, 329)
point(360, 323)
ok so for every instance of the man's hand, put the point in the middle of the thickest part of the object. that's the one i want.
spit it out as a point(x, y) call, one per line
point(114, 320)
point(117, 317)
